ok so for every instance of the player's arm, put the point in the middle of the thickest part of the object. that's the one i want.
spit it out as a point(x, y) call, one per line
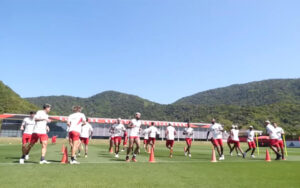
point(48, 129)
point(131, 125)
point(167, 132)
point(22, 126)
point(207, 135)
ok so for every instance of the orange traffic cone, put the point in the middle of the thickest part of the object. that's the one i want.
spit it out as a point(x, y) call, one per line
point(152, 159)
point(65, 157)
point(111, 150)
point(268, 158)
point(63, 148)
point(213, 156)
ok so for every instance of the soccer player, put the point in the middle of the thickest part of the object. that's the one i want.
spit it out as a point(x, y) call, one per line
point(119, 130)
point(230, 141)
point(170, 136)
point(273, 139)
point(39, 133)
point(111, 139)
point(75, 122)
point(235, 138)
point(251, 142)
point(85, 134)
point(188, 132)
point(146, 139)
point(217, 131)
point(27, 126)
point(134, 138)
point(153, 131)
point(279, 131)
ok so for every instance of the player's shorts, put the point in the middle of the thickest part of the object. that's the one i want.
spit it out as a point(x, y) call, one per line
point(280, 143)
point(273, 142)
point(84, 140)
point(170, 143)
point(74, 135)
point(230, 141)
point(188, 141)
point(236, 143)
point(26, 138)
point(151, 140)
point(117, 139)
point(217, 142)
point(252, 145)
point(133, 137)
point(112, 138)
point(35, 137)
point(146, 141)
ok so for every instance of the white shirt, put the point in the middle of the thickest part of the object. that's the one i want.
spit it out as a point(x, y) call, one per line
point(146, 134)
point(279, 131)
point(250, 137)
point(216, 130)
point(153, 131)
point(118, 130)
point(235, 135)
point(40, 126)
point(135, 131)
point(28, 125)
point(170, 133)
point(189, 131)
point(271, 131)
point(86, 130)
point(75, 120)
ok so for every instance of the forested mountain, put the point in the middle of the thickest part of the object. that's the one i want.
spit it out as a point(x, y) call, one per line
point(10, 102)
point(250, 94)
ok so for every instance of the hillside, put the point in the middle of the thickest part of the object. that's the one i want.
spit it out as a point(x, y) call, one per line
point(10, 102)
point(251, 94)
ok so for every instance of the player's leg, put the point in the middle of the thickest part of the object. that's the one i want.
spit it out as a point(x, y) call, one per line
point(129, 149)
point(230, 148)
point(76, 143)
point(44, 149)
point(137, 149)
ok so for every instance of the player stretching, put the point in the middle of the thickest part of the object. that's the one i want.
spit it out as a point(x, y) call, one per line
point(273, 139)
point(39, 133)
point(251, 142)
point(146, 139)
point(119, 129)
point(170, 136)
point(75, 122)
point(134, 131)
point(279, 131)
point(235, 138)
point(188, 132)
point(216, 140)
point(153, 131)
point(86, 133)
point(27, 126)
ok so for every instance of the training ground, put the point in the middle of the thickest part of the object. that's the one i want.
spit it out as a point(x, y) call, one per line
point(101, 169)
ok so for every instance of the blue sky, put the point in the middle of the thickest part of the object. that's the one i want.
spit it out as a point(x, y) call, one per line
point(160, 50)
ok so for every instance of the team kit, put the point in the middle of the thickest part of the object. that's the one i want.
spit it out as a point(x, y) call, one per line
point(35, 129)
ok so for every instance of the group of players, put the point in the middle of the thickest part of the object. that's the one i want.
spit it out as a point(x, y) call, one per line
point(79, 130)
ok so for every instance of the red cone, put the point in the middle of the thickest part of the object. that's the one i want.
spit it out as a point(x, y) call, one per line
point(268, 158)
point(213, 156)
point(63, 148)
point(152, 159)
point(65, 157)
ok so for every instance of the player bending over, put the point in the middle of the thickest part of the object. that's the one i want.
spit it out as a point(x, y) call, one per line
point(39, 133)
point(251, 142)
point(134, 138)
point(170, 136)
point(273, 139)
point(188, 132)
point(75, 122)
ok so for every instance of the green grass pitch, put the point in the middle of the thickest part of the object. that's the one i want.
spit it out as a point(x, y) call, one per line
point(101, 169)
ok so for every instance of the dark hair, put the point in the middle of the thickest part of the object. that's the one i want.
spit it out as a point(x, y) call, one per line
point(32, 112)
point(152, 123)
point(46, 106)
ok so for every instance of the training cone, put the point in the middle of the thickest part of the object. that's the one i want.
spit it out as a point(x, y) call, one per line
point(213, 156)
point(63, 148)
point(65, 157)
point(152, 159)
point(268, 158)
point(111, 150)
